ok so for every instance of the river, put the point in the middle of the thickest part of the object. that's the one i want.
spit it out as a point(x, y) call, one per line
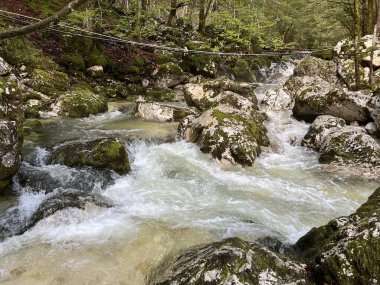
point(174, 198)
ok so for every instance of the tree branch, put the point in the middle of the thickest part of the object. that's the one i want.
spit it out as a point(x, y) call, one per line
point(44, 23)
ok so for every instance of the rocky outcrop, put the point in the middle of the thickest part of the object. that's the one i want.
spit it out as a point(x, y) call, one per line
point(278, 100)
point(160, 112)
point(201, 94)
point(346, 250)
point(319, 129)
point(100, 153)
point(228, 134)
point(81, 102)
point(232, 261)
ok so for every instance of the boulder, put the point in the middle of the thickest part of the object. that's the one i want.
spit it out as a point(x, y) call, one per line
point(161, 112)
point(350, 146)
point(107, 153)
point(228, 134)
point(319, 129)
point(371, 129)
point(200, 94)
point(316, 67)
point(10, 151)
point(81, 102)
point(95, 71)
point(169, 75)
point(5, 68)
point(231, 261)
point(278, 100)
point(52, 83)
point(346, 250)
point(373, 106)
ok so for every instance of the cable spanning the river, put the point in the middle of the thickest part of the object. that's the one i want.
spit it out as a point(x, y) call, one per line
point(98, 36)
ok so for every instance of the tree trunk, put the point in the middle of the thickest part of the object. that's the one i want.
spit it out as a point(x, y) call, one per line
point(44, 23)
point(172, 13)
point(202, 17)
point(357, 39)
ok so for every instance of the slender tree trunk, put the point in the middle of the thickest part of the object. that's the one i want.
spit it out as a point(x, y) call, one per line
point(357, 39)
point(202, 17)
point(44, 23)
point(172, 13)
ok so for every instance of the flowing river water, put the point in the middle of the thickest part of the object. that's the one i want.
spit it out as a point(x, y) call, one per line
point(175, 197)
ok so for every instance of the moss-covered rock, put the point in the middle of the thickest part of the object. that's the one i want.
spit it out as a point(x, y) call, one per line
point(73, 61)
point(81, 102)
point(160, 95)
point(346, 250)
point(100, 153)
point(315, 67)
point(231, 261)
point(319, 129)
point(169, 75)
point(350, 146)
point(228, 134)
point(20, 51)
point(51, 83)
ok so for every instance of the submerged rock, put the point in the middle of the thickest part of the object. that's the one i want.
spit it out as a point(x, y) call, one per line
point(81, 102)
point(14, 222)
point(228, 134)
point(162, 112)
point(319, 129)
point(346, 250)
point(232, 261)
point(101, 153)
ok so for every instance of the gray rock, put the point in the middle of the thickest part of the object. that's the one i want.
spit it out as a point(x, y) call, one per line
point(319, 129)
point(95, 71)
point(278, 100)
point(169, 75)
point(5, 68)
point(161, 112)
point(232, 261)
point(371, 129)
point(374, 108)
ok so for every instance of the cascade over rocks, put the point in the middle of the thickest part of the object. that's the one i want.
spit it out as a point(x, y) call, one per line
point(100, 153)
point(232, 261)
point(278, 100)
point(319, 129)
point(346, 250)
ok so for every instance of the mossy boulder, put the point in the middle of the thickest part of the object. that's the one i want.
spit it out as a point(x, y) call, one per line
point(315, 67)
point(228, 134)
point(73, 61)
point(350, 146)
point(51, 83)
point(347, 249)
point(81, 102)
point(169, 75)
point(100, 153)
point(200, 95)
point(319, 129)
point(231, 261)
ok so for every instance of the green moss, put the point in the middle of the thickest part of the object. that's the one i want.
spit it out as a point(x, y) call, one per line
point(73, 61)
point(160, 95)
point(169, 68)
point(51, 83)
point(81, 102)
point(20, 51)
point(160, 58)
point(97, 57)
